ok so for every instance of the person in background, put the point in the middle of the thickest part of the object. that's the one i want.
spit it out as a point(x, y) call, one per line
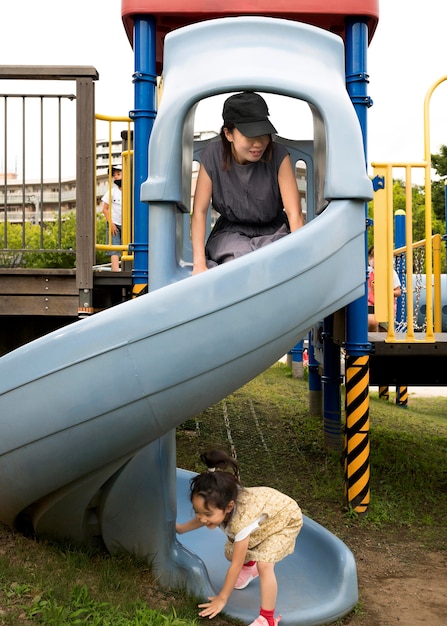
point(114, 220)
point(261, 525)
point(250, 181)
point(373, 325)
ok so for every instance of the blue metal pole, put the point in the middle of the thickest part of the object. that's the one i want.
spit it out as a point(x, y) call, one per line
point(145, 93)
point(315, 389)
point(297, 359)
point(356, 83)
point(357, 469)
point(331, 381)
point(357, 316)
point(400, 219)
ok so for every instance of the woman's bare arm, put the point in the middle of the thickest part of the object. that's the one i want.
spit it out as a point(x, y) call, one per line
point(202, 199)
point(290, 194)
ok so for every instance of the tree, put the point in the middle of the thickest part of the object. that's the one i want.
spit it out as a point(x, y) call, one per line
point(439, 164)
point(53, 246)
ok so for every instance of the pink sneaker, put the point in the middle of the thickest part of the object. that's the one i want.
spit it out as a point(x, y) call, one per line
point(246, 575)
point(261, 621)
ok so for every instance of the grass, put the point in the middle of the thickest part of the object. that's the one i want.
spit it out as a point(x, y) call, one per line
point(58, 585)
point(277, 443)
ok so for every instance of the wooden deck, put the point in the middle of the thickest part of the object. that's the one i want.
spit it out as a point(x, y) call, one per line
point(408, 363)
point(53, 292)
point(38, 292)
point(34, 302)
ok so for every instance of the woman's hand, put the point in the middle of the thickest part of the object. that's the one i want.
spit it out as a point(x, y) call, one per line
point(213, 607)
point(198, 269)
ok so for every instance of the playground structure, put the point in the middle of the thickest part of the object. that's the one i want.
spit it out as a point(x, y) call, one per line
point(413, 349)
point(110, 433)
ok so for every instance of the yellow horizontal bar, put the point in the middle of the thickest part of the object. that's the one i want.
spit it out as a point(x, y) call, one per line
point(406, 164)
point(113, 118)
point(104, 246)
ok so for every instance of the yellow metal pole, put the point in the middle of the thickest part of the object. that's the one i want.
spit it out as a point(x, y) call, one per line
point(428, 209)
point(127, 213)
point(437, 243)
point(381, 226)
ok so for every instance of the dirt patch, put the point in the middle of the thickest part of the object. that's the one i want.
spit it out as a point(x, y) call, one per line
point(399, 584)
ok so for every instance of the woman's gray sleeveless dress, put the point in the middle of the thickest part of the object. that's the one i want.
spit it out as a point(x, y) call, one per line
point(248, 200)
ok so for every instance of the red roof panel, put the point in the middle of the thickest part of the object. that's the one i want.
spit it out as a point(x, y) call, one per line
point(171, 14)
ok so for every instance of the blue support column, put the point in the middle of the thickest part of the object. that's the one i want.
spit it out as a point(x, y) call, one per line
point(331, 382)
point(357, 312)
point(297, 360)
point(356, 83)
point(399, 242)
point(145, 93)
point(357, 469)
point(315, 388)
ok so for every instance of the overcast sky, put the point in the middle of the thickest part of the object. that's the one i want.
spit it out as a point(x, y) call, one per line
point(407, 55)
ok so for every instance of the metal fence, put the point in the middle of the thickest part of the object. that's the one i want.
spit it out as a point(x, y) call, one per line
point(44, 136)
point(38, 131)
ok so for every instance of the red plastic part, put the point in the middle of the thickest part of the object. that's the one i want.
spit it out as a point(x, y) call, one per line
point(171, 14)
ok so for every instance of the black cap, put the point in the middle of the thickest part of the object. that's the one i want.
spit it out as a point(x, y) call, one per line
point(248, 111)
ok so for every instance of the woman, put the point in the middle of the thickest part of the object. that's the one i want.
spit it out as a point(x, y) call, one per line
point(250, 182)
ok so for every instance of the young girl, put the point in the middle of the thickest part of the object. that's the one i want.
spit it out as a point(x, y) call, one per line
point(251, 183)
point(261, 525)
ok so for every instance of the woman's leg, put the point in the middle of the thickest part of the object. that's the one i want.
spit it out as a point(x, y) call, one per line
point(225, 246)
point(264, 240)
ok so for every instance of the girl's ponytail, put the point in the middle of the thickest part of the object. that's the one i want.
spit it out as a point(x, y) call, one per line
point(219, 485)
point(220, 460)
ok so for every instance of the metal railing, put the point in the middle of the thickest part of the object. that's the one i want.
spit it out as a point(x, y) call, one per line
point(34, 136)
point(418, 263)
point(413, 316)
point(431, 245)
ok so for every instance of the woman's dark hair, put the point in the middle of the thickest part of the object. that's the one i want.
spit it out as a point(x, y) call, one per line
point(228, 154)
point(219, 485)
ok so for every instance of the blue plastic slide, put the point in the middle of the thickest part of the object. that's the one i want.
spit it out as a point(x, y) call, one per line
point(88, 412)
point(79, 406)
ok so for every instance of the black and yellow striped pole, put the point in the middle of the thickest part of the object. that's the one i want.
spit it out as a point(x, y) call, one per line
point(384, 393)
point(402, 396)
point(139, 289)
point(357, 446)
